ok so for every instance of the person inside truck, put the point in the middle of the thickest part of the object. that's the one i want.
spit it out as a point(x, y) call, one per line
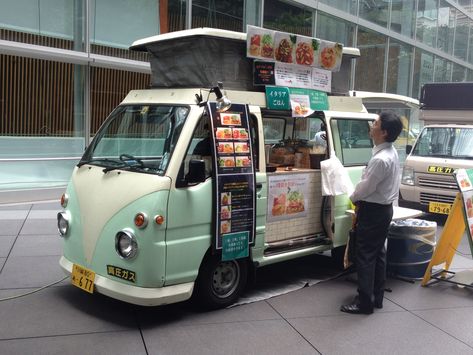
point(320, 137)
point(373, 198)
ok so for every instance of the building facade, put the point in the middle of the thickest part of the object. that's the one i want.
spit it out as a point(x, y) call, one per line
point(65, 64)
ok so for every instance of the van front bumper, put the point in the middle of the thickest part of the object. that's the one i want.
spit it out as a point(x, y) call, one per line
point(142, 296)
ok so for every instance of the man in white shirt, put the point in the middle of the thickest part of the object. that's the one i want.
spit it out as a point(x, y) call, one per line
point(373, 198)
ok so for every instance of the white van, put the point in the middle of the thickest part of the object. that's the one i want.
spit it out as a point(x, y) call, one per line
point(444, 145)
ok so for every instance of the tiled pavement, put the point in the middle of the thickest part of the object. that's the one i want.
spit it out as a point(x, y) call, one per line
point(62, 319)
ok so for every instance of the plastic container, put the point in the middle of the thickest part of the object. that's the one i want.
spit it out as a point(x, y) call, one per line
point(411, 243)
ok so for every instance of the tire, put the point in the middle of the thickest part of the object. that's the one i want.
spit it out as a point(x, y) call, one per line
point(220, 283)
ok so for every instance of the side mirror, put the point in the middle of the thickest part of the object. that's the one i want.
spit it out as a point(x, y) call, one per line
point(408, 148)
point(196, 171)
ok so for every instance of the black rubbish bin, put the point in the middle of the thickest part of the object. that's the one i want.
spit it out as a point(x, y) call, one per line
point(411, 243)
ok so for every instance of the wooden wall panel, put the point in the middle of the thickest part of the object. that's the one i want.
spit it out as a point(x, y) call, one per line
point(37, 96)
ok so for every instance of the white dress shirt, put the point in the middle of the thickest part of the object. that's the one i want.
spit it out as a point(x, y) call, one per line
point(380, 179)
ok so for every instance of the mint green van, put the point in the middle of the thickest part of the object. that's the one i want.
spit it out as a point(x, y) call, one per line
point(140, 211)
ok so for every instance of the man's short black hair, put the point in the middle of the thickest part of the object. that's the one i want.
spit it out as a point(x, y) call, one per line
point(391, 123)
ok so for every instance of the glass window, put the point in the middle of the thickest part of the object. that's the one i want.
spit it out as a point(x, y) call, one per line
point(274, 129)
point(469, 75)
point(39, 121)
point(424, 67)
point(176, 16)
point(349, 6)
point(282, 16)
point(116, 24)
point(226, 14)
point(403, 17)
point(465, 3)
point(462, 30)
point(105, 94)
point(427, 13)
point(333, 29)
point(456, 143)
point(459, 73)
point(399, 68)
point(446, 27)
point(370, 66)
point(252, 13)
point(200, 148)
point(141, 138)
point(376, 11)
point(353, 145)
point(443, 70)
point(47, 23)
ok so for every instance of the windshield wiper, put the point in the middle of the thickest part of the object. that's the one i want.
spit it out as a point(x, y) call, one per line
point(128, 162)
point(468, 157)
point(83, 162)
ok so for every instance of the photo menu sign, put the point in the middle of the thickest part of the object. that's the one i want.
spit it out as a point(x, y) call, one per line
point(464, 178)
point(235, 194)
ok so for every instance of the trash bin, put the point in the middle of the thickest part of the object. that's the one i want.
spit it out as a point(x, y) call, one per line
point(411, 243)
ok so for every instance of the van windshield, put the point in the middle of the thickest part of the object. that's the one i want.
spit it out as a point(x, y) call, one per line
point(140, 138)
point(445, 142)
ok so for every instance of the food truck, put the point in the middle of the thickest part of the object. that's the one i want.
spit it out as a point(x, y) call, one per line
point(444, 145)
point(191, 185)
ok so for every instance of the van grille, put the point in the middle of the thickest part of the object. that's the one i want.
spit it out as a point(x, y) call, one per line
point(425, 198)
point(447, 183)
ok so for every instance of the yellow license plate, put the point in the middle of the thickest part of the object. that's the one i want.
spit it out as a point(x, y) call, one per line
point(439, 207)
point(83, 278)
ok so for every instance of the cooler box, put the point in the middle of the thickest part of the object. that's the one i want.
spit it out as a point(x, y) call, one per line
point(411, 243)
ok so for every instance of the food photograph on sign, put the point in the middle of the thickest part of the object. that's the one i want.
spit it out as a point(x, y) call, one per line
point(225, 227)
point(233, 119)
point(260, 43)
point(226, 162)
point(330, 55)
point(240, 133)
point(226, 198)
point(242, 147)
point(284, 47)
point(223, 133)
point(305, 49)
point(225, 147)
point(463, 179)
point(243, 161)
point(225, 212)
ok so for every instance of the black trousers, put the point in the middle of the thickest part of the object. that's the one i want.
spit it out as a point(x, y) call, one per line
point(372, 227)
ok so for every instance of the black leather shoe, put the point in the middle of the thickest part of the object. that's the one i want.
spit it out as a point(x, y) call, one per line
point(377, 304)
point(355, 308)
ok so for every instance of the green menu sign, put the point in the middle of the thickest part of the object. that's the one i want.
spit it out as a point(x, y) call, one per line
point(279, 98)
point(318, 99)
point(235, 246)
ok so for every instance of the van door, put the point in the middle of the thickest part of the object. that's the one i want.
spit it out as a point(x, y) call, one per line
point(190, 211)
point(353, 146)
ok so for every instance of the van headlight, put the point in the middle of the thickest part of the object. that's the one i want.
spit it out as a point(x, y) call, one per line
point(126, 244)
point(62, 223)
point(408, 176)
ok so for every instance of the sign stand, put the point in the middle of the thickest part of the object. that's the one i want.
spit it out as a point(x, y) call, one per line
point(447, 245)
point(459, 220)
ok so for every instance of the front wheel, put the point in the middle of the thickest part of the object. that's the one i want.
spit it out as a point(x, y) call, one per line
point(220, 283)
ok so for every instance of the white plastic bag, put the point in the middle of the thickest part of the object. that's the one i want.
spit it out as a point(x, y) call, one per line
point(335, 179)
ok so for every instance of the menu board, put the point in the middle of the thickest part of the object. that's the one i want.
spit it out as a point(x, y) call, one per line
point(235, 189)
point(283, 47)
point(464, 179)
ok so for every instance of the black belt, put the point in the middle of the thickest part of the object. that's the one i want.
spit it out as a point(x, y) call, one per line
point(373, 204)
